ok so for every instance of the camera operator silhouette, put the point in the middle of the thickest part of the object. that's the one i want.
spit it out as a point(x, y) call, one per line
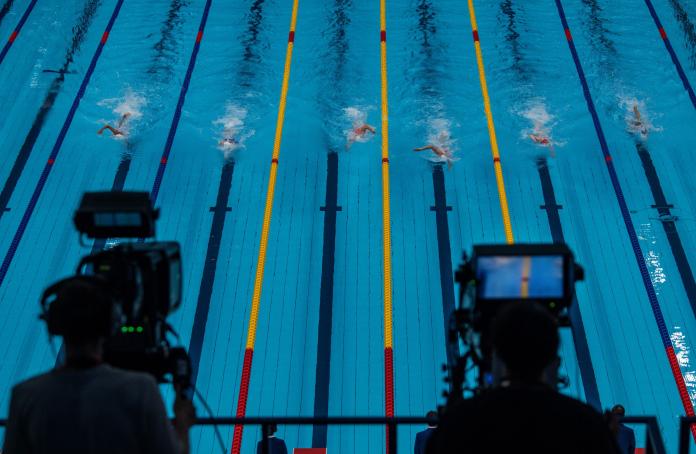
point(523, 412)
point(86, 406)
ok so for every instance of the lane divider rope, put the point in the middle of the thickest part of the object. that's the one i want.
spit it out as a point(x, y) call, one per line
point(56, 149)
point(179, 105)
point(386, 228)
point(647, 282)
point(260, 265)
point(502, 195)
point(15, 32)
point(670, 49)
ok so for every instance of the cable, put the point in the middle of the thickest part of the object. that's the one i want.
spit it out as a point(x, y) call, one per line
point(210, 413)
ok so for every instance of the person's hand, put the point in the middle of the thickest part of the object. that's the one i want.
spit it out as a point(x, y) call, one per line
point(184, 414)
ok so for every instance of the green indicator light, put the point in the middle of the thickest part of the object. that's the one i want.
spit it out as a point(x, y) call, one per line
point(139, 329)
point(124, 329)
point(131, 329)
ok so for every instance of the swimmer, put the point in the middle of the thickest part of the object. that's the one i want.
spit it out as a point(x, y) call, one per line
point(440, 152)
point(359, 132)
point(228, 142)
point(637, 124)
point(540, 138)
point(117, 131)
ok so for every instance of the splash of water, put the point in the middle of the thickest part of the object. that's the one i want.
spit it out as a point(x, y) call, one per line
point(128, 110)
point(628, 103)
point(357, 117)
point(440, 135)
point(542, 122)
point(232, 135)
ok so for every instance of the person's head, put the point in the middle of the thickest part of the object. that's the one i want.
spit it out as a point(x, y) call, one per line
point(271, 430)
point(525, 340)
point(614, 417)
point(431, 415)
point(81, 314)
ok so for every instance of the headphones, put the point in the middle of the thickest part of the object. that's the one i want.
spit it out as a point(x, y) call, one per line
point(82, 307)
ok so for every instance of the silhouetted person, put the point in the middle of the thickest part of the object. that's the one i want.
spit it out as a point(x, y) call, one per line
point(276, 445)
point(423, 437)
point(523, 412)
point(86, 406)
point(625, 436)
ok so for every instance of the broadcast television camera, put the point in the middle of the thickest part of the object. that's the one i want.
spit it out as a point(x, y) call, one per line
point(495, 276)
point(142, 281)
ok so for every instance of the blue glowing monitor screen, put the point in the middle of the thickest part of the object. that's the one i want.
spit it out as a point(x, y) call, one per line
point(520, 277)
point(124, 219)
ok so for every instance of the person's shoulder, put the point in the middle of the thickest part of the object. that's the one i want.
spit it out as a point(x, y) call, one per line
point(128, 377)
point(577, 407)
point(625, 429)
point(31, 384)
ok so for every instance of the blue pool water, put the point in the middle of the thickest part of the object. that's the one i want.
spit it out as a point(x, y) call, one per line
point(434, 96)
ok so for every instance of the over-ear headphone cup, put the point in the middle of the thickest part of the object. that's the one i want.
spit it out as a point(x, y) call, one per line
point(81, 307)
point(55, 319)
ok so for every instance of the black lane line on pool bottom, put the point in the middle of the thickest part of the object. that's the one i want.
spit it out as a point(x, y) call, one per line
point(323, 372)
point(205, 293)
point(582, 349)
point(664, 210)
point(445, 254)
point(32, 136)
point(56, 148)
point(16, 31)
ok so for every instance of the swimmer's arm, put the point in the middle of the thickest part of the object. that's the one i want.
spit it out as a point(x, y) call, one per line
point(637, 114)
point(113, 130)
point(427, 147)
point(123, 119)
point(370, 128)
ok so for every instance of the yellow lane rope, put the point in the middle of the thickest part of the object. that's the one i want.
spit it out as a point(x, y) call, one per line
point(491, 130)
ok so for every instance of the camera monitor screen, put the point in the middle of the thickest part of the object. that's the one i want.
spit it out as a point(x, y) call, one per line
point(520, 277)
point(111, 219)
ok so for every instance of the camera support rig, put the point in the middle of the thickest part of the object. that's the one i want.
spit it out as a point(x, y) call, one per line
point(493, 277)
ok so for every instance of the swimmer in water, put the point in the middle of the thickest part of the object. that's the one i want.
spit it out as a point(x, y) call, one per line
point(540, 138)
point(228, 142)
point(637, 123)
point(359, 132)
point(117, 131)
point(442, 152)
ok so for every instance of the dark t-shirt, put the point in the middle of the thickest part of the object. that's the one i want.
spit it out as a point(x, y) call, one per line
point(97, 410)
point(531, 419)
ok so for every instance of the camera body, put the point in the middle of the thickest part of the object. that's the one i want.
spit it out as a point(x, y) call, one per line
point(142, 282)
point(493, 277)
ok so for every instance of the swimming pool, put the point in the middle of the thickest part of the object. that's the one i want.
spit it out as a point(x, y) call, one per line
point(193, 72)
